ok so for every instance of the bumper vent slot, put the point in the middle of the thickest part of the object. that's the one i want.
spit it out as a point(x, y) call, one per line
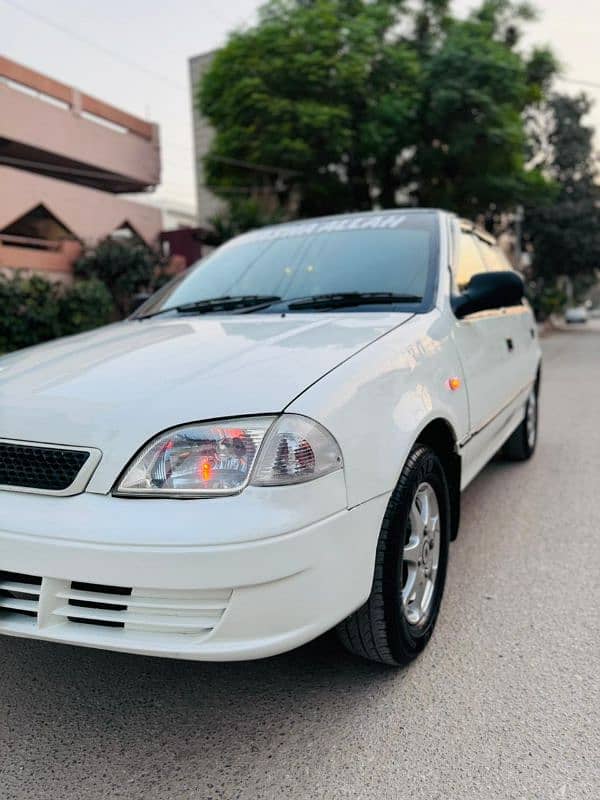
point(125, 612)
point(19, 594)
point(167, 611)
point(28, 466)
point(97, 598)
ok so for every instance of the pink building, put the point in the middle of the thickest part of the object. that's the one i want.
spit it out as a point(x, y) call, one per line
point(65, 157)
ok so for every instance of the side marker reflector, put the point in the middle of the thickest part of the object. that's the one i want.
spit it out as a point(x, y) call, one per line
point(454, 384)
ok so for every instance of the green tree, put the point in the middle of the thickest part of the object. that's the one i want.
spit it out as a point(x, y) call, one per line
point(565, 235)
point(471, 151)
point(323, 89)
point(359, 103)
point(125, 268)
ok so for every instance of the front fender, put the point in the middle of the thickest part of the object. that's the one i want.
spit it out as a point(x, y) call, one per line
point(377, 402)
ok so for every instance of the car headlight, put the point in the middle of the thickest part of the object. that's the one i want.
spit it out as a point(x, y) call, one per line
point(220, 458)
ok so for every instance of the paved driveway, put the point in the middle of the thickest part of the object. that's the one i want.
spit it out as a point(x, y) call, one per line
point(505, 703)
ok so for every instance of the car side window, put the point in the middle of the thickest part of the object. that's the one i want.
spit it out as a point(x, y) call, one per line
point(493, 256)
point(470, 261)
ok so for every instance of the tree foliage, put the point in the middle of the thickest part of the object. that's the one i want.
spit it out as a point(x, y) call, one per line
point(471, 151)
point(351, 103)
point(566, 233)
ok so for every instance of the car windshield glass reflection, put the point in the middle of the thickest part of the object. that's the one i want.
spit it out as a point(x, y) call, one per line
point(387, 256)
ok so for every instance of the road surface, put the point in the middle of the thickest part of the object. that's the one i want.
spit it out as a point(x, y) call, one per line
point(505, 702)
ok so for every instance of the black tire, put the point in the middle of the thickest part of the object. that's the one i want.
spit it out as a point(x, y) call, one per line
point(379, 630)
point(520, 446)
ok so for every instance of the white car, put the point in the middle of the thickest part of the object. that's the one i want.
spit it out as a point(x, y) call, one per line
point(578, 314)
point(272, 446)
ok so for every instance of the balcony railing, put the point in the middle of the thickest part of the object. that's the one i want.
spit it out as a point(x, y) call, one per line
point(29, 241)
point(84, 104)
point(44, 256)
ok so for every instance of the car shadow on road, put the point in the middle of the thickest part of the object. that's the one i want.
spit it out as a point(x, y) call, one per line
point(119, 722)
point(96, 690)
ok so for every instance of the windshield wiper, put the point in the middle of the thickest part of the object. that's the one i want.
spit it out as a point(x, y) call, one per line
point(349, 299)
point(247, 302)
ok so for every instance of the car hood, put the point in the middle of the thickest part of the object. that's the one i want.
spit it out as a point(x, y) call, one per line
point(115, 388)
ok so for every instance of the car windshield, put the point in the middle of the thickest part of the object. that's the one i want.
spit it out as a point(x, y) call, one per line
point(391, 253)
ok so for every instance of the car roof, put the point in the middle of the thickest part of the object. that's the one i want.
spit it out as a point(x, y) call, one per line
point(465, 224)
point(369, 213)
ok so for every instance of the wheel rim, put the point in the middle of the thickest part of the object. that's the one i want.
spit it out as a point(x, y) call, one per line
point(531, 419)
point(420, 560)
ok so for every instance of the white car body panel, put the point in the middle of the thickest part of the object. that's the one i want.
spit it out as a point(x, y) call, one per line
point(273, 594)
point(263, 571)
point(404, 381)
point(116, 388)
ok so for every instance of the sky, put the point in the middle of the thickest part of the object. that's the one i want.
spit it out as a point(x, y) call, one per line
point(134, 54)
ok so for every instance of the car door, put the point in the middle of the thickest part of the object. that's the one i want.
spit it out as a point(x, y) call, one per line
point(486, 352)
point(519, 323)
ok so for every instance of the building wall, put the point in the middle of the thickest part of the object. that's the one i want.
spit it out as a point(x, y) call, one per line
point(88, 214)
point(175, 215)
point(53, 261)
point(183, 247)
point(208, 204)
point(65, 160)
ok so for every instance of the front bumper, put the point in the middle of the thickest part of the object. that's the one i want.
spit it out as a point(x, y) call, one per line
point(248, 598)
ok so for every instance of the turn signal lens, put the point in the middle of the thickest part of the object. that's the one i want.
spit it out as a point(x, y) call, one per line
point(295, 450)
point(454, 384)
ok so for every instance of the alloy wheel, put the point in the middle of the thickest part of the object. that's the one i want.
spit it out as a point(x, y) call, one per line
point(420, 559)
point(531, 419)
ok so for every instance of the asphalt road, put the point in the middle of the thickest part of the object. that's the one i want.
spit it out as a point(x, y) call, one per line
point(505, 702)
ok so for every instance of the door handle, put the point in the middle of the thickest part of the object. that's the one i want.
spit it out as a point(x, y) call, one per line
point(510, 344)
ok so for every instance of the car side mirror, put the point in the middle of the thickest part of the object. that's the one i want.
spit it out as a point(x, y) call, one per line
point(489, 290)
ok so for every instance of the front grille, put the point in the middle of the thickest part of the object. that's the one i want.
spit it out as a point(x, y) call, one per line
point(50, 469)
point(135, 611)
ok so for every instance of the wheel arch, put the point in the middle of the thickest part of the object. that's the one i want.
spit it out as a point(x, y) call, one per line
point(439, 435)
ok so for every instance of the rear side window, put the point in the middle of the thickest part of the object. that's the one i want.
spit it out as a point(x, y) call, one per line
point(493, 256)
point(470, 261)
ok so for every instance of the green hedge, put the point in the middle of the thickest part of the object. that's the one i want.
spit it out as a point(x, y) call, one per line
point(34, 310)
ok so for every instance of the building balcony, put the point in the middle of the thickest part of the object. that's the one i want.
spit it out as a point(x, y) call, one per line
point(51, 259)
point(44, 222)
point(52, 129)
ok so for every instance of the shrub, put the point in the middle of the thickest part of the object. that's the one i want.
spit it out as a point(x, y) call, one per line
point(84, 305)
point(35, 310)
point(546, 300)
point(28, 312)
point(126, 268)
